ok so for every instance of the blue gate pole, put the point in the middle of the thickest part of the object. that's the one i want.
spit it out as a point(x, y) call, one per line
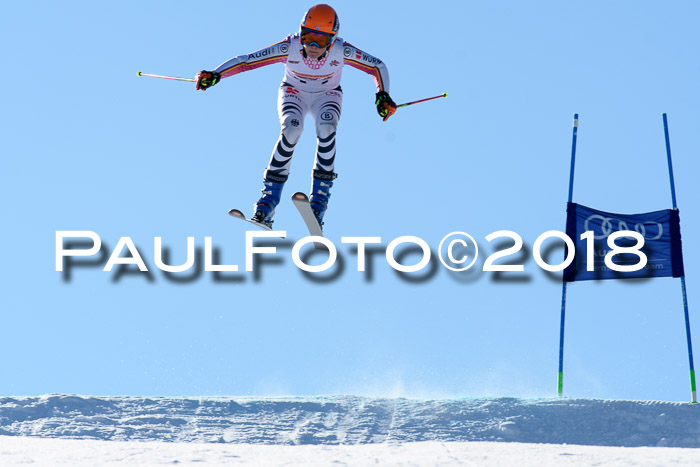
point(693, 391)
point(560, 379)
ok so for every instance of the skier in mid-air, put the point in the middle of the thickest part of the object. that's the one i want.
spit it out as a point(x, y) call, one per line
point(314, 59)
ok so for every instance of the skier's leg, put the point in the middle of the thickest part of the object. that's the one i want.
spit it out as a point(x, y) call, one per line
point(326, 111)
point(291, 109)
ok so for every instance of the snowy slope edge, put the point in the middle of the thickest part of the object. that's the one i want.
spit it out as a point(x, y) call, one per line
point(353, 420)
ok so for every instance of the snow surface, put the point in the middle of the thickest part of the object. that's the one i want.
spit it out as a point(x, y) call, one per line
point(348, 430)
point(88, 453)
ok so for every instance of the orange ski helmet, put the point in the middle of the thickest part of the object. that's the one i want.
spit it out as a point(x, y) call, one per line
point(320, 19)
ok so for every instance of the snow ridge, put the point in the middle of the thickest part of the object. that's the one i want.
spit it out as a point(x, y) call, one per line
point(333, 420)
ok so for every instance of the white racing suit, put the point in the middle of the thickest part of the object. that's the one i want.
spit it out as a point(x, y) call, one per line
point(309, 86)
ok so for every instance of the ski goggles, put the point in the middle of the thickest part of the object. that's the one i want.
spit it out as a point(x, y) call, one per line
point(319, 39)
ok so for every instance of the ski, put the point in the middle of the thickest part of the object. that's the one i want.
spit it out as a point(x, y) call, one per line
point(239, 215)
point(301, 202)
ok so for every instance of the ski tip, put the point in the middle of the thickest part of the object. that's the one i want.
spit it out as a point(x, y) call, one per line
point(138, 73)
point(444, 94)
point(320, 246)
point(236, 213)
point(300, 196)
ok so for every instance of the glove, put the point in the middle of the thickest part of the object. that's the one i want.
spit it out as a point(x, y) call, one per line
point(206, 79)
point(385, 105)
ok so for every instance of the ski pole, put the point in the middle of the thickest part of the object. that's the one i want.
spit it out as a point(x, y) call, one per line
point(138, 73)
point(444, 94)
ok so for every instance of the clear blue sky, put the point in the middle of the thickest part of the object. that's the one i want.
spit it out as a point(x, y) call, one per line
point(87, 145)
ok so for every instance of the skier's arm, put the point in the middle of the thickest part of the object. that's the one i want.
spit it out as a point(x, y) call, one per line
point(363, 61)
point(356, 58)
point(276, 53)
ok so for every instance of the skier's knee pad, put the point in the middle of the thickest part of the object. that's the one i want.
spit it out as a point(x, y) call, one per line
point(292, 127)
point(325, 128)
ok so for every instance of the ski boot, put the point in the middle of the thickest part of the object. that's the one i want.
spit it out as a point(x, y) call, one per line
point(271, 192)
point(320, 193)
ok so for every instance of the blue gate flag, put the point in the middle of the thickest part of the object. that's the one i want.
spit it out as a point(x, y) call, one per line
point(662, 243)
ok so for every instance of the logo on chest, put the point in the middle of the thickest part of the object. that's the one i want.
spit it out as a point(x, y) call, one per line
point(315, 64)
